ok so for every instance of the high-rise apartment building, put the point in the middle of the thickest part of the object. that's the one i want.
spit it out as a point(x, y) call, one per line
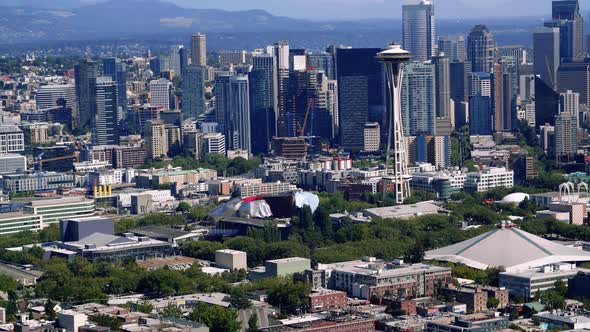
point(118, 72)
point(418, 29)
point(453, 47)
point(443, 85)
point(418, 99)
point(263, 101)
point(105, 128)
point(480, 49)
point(199, 50)
point(160, 93)
point(85, 73)
point(569, 102)
point(280, 51)
point(193, 91)
point(156, 139)
point(566, 140)
point(232, 97)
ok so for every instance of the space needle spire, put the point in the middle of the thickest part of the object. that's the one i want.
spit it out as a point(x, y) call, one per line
point(393, 58)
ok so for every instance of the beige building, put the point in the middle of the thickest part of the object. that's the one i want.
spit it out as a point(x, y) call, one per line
point(156, 139)
point(231, 259)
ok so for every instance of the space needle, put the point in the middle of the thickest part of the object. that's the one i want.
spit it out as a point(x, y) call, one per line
point(393, 58)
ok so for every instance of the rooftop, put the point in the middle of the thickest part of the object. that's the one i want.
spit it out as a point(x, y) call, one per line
point(405, 211)
point(510, 248)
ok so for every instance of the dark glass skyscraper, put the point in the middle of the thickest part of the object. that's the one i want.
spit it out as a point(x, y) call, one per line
point(575, 76)
point(480, 49)
point(263, 101)
point(459, 86)
point(105, 124)
point(118, 72)
point(480, 115)
point(85, 73)
point(361, 93)
point(193, 91)
point(566, 16)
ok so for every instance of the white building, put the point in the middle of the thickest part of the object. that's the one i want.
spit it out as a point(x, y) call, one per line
point(12, 139)
point(49, 95)
point(160, 93)
point(106, 177)
point(489, 178)
point(214, 143)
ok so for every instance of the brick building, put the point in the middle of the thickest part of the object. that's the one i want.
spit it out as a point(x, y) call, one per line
point(476, 299)
point(325, 300)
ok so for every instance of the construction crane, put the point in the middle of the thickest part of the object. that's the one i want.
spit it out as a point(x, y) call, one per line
point(40, 161)
point(302, 131)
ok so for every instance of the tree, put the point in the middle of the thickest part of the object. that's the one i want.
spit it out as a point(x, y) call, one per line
point(145, 307)
point(253, 323)
point(49, 310)
point(216, 318)
point(183, 207)
point(238, 299)
point(172, 311)
point(290, 297)
point(493, 303)
point(201, 249)
point(106, 321)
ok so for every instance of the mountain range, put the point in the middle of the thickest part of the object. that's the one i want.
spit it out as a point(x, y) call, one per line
point(33, 21)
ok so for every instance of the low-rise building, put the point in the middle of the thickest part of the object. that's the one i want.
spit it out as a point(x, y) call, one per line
point(15, 222)
point(280, 268)
point(231, 259)
point(405, 211)
point(527, 283)
point(475, 298)
point(563, 321)
point(469, 324)
point(257, 189)
point(53, 210)
point(12, 163)
point(17, 183)
point(489, 178)
point(326, 300)
point(373, 278)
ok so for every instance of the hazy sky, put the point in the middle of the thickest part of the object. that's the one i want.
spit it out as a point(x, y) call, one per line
point(322, 9)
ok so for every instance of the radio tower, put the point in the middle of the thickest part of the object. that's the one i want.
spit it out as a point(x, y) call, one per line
point(393, 57)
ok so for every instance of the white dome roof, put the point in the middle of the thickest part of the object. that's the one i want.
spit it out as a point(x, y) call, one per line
point(515, 198)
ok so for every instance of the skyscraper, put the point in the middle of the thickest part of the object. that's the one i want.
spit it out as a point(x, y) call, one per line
point(546, 54)
point(480, 49)
point(233, 109)
point(280, 51)
point(569, 102)
point(160, 93)
point(418, 99)
point(393, 58)
point(193, 91)
point(323, 62)
point(105, 125)
point(263, 102)
point(480, 115)
point(566, 16)
point(175, 59)
point(566, 140)
point(361, 93)
point(199, 49)
point(85, 73)
point(155, 139)
point(460, 72)
point(443, 85)
point(453, 47)
point(418, 29)
point(118, 72)
point(575, 76)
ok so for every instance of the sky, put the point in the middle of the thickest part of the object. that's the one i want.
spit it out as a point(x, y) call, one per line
point(360, 9)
